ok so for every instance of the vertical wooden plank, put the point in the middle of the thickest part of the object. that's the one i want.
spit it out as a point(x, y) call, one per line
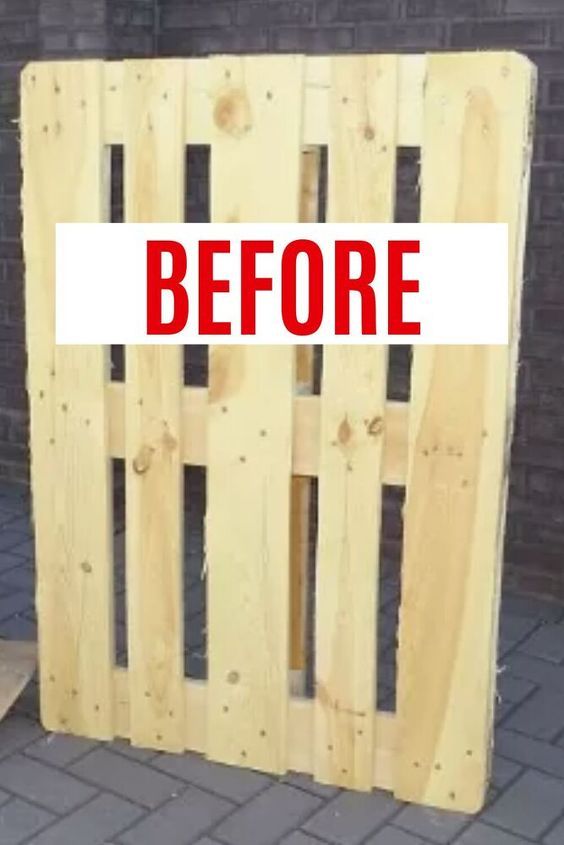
point(301, 487)
point(257, 123)
point(362, 156)
point(154, 191)
point(64, 180)
point(475, 163)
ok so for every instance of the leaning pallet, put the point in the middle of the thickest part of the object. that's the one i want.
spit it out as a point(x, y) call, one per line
point(255, 428)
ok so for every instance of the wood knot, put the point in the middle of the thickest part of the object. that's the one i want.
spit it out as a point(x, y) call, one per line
point(232, 113)
point(233, 677)
point(142, 461)
point(344, 432)
point(375, 426)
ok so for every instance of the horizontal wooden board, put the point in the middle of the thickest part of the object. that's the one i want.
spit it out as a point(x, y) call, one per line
point(300, 728)
point(305, 445)
point(315, 130)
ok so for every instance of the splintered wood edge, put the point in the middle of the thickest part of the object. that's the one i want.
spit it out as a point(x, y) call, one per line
point(300, 729)
point(306, 430)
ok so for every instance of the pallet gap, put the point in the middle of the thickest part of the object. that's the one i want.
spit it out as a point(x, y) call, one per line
point(194, 574)
point(389, 595)
point(120, 604)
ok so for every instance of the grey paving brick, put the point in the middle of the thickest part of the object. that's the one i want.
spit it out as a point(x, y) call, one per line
point(394, 836)
point(143, 755)
point(22, 524)
point(228, 781)
point(18, 628)
point(505, 647)
point(15, 603)
point(300, 838)
point(91, 824)
point(20, 820)
point(510, 688)
point(267, 817)
point(21, 577)
point(529, 806)
point(17, 732)
point(546, 643)
point(514, 628)
point(9, 539)
point(539, 671)
point(8, 561)
point(322, 790)
point(530, 752)
point(503, 771)
point(351, 817)
point(502, 710)
point(556, 835)
point(180, 820)
point(434, 825)
point(128, 778)
point(207, 841)
point(540, 716)
point(537, 608)
point(60, 749)
point(26, 547)
point(484, 834)
point(48, 787)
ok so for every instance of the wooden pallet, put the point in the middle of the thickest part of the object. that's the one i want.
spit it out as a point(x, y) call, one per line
point(255, 427)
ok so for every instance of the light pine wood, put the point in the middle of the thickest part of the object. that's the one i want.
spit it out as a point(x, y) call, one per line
point(250, 431)
point(64, 165)
point(475, 164)
point(198, 125)
point(362, 165)
point(305, 435)
point(300, 728)
point(154, 192)
point(301, 487)
point(254, 430)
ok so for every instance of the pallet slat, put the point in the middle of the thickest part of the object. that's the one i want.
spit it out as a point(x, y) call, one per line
point(154, 191)
point(250, 432)
point(305, 435)
point(300, 728)
point(362, 165)
point(62, 127)
point(315, 126)
point(475, 160)
point(301, 487)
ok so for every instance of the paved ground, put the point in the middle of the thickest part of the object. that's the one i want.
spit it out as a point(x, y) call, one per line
point(57, 790)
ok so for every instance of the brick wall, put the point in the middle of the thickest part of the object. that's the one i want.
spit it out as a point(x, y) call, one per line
point(33, 28)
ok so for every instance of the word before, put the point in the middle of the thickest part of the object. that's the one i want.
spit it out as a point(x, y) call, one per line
point(345, 283)
point(281, 283)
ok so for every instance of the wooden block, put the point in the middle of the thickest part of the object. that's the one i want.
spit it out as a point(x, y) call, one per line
point(317, 92)
point(154, 192)
point(362, 156)
point(305, 435)
point(64, 181)
point(257, 123)
point(301, 487)
point(475, 166)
